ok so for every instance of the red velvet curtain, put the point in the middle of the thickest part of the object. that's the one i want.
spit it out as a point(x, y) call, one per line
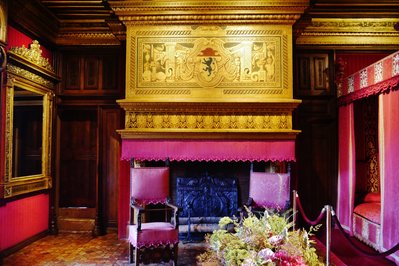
point(346, 167)
point(123, 198)
point(353, 62)
point(389, 147)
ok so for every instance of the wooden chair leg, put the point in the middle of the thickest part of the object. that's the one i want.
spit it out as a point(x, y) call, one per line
point(131, 253)
point(136, 257)
point(175, 251)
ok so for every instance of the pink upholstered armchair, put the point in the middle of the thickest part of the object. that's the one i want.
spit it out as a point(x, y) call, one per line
point(151, 240)
point(268, 191)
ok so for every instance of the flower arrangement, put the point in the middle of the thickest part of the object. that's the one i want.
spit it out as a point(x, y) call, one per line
point(263, 240)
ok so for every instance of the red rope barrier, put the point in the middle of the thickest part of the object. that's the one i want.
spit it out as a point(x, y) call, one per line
point(366, 253)
point(318, 219)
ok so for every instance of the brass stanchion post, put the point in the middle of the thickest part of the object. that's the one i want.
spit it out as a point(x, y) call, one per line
point(328, 233)
point(294, 208)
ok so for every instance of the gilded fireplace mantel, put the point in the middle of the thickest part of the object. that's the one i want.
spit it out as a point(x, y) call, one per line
point(209, 69)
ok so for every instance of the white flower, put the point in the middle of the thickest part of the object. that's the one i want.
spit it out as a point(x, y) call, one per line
point(266, 254)
point(275, 240)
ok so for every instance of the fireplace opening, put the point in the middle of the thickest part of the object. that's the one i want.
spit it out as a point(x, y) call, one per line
point(209, 190)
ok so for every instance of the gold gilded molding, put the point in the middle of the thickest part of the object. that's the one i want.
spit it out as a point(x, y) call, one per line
point(33, 54)
point(199, 62)
point(210, 11)
point(350, 32)
point(209, 120)
point(89, 38)
point(29, 76)
point(202, 122)
point(355, 25)
point(204, 19)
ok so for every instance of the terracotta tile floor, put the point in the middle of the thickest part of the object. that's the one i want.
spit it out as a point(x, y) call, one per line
point(83, 249)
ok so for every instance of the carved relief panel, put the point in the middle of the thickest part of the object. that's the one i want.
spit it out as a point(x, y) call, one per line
point(194, 63)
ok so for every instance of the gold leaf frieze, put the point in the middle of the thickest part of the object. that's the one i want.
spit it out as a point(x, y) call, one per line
point(276, 121)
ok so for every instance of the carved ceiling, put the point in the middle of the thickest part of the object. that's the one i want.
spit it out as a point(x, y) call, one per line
point(101, 22)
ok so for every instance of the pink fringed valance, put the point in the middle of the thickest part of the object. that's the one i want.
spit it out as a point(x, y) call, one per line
point(377, 78)
point(208, 150)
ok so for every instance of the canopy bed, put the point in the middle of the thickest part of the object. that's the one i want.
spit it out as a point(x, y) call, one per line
point(368, 163)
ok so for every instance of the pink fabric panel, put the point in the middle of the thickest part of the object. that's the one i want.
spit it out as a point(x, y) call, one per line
point(390, 170)
point(123, 198)
point(208, 150)
point(153, 234)
point(358, 224)
point(22, 219)
point(149, 184)
point(346, 169)
point(269, 189)
point(370, 211)
point(373, 233)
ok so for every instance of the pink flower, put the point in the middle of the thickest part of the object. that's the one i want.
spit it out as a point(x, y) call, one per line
point(283, 259)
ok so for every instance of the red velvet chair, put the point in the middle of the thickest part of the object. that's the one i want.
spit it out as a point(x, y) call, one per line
point(151, 240)
point(268, 191)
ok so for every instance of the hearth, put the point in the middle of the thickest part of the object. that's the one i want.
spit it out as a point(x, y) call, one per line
point(204, 200)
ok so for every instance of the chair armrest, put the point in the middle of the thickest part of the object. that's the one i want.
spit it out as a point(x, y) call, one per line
point(139, 210)
point(176, 211)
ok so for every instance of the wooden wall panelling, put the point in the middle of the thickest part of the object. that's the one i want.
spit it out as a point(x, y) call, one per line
point(78, 158)
point(316, 145)
point(91, 73)
point(111, 120)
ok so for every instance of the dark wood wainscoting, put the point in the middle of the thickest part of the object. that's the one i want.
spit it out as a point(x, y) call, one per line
point(78, 158)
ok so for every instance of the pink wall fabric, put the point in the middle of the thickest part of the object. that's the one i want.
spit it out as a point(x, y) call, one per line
point(16, 38)
point(346, 166)
point(22, 219)
point(389, 147)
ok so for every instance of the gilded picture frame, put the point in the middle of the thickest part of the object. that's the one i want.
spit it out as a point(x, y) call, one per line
point(30, 84)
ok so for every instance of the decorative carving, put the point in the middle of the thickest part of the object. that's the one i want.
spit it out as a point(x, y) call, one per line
point(30, 76)
point(33, 54)
point(203, 60)
point(205, 199)
point(89, 38)
point(198, 122)
point(350, 31)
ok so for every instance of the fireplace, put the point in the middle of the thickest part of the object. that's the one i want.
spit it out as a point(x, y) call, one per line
point(204, 200)
point(198, 88)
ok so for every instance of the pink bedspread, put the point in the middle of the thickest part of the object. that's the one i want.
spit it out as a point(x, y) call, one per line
point(370, 210)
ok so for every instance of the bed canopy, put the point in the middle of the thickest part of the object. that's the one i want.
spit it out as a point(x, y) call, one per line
point(380, 79)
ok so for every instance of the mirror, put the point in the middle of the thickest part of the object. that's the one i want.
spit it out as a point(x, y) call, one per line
point(29, 107)
point(27, 138)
